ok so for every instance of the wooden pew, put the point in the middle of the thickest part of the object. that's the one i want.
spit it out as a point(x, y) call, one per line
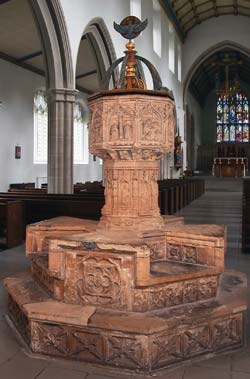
point(11, 222)
point(177, 193)
point(174, 194)
point(22, 186)
point(41, 206)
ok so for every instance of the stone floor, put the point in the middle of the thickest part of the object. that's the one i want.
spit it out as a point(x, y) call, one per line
point(220, 204)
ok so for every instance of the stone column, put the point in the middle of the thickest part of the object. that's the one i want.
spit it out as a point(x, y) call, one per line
point(60, 140)
point(131, 195)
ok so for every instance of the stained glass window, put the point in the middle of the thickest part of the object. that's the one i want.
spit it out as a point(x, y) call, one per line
point(233, 118)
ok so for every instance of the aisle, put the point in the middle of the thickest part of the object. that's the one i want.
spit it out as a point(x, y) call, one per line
point(221, 204)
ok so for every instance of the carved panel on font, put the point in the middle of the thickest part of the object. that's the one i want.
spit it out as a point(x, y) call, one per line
point(127, 352)
point(151, 121)
point(165, 349)
point(95, 279)
point(70, 342)
point(67, 342)
point(100, 283)
point(147, 123)
point(181, 253)
point(207, 287)
point(210, 337)
point(96, 131)
point(227, 332)
point(120, 119)
point(19, 319)
point(157, 247)
point(196, 341)
point(170, 295)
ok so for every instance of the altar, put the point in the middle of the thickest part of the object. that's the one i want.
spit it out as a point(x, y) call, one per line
point(230, 167)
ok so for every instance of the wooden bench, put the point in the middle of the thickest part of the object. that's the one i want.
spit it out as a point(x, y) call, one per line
point(174, 194)
point(22, 186)
point(11, 222)
point(177, 193)
point(40, 206)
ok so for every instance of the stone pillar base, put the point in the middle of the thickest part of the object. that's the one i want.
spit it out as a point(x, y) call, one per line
point(131, 195)
point(129, 223)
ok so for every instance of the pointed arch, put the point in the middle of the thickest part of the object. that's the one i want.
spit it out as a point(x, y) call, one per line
point(205, 55)
point(52, 30)
point(100, 39)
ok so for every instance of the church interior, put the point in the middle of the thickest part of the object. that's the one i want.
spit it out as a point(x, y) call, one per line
point(124, 189)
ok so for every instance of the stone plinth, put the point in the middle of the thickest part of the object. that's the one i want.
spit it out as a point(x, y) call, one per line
point(118, 271)
point(143, 341)
point(130, 132)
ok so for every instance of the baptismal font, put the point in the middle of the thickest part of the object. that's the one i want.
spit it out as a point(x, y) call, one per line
point(136, 290)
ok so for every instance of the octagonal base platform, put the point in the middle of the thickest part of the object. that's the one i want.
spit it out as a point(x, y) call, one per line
point(142, 341)
point(134, 300)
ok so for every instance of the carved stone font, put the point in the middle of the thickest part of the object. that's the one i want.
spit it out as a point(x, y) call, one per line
point(131, 133)
point(135, 290)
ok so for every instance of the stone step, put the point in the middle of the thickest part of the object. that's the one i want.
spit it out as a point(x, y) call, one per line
point(169, 284)
point(171, 271)
point(142, 341)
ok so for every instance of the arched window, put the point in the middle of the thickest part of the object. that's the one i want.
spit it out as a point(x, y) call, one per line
point(40, 128)
point(233, 118)
point(81, 154)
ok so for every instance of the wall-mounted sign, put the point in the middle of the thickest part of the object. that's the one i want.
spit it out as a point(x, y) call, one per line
point(17, 152)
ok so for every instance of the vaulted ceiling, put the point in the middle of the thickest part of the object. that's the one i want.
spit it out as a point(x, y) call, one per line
point(186, 14)
point(203, 80)
point(20, 45)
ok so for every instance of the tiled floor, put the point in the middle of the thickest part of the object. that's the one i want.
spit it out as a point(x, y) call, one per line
point(220, 204)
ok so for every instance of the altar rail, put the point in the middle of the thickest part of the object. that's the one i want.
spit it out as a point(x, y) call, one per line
point(207, 153)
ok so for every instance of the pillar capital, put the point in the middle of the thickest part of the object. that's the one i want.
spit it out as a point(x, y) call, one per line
point(61, 95)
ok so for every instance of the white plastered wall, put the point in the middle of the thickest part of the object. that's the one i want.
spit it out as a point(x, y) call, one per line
point(17, 87)
point(79, 13)
point(212, 32)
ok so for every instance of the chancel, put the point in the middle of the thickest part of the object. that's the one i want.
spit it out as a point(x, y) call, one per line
point(124, 189)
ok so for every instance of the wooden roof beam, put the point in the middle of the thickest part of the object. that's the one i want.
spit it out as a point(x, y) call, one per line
point(26, 66)
point(171, 14)
point(177, 10)
point(196, 16)
point(216, 14)
point(235, 6)
point(30, 56)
